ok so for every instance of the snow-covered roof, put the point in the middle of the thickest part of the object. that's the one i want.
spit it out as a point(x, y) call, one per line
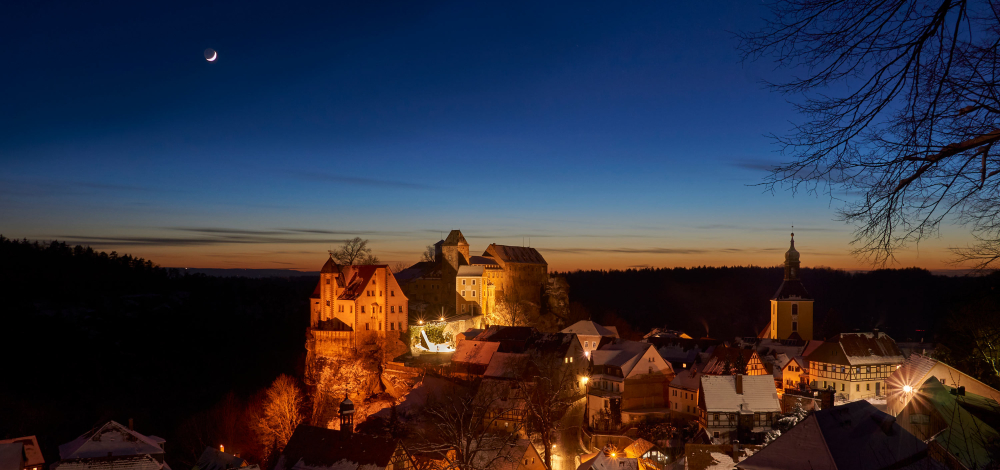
point(11, 456)
point(111, 439)
point(855, 436)
point(603, 461)
point(32, 453)
point(869, 348)
point(622, 354)
point(133, 462)
point(506, 365)
point(758, 395)
point(215, 459)
point(475, 352)
point(589, 328)
point(688, 380)
point(497, 455)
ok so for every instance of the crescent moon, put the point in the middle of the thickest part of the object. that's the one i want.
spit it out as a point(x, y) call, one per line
point(215, 55)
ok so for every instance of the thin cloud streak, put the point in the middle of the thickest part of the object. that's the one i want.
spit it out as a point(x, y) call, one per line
point(370, 182)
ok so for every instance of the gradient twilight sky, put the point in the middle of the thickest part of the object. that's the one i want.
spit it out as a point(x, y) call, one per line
point(611, 135)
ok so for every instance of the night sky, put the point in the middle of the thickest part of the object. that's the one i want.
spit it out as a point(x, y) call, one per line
point(611, 136)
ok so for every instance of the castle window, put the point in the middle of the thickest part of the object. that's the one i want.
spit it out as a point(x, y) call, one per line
point(328, 282)
point(362, 309)
point(327, 303)
point(463, 282)
point(795, 309)
point(473, 293)
point(380, 326)
point(380, 293)
point(392, 293)
point(366, 326)
point(463, 293)
point(400, 326)
point(473, 282)
point(795, 326)
point(392, 326)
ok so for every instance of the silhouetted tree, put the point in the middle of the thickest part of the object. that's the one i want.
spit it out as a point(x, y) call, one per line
point(354, 251)
point(901, 107)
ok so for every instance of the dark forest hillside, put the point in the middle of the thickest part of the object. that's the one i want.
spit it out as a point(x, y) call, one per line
point(91, 336)
point(909, 304)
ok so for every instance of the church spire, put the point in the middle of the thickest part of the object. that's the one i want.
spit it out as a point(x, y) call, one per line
point(792, 262)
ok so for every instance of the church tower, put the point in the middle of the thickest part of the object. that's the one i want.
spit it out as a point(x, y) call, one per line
point(791, 305)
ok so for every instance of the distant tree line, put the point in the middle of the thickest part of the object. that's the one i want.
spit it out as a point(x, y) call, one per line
point(100, 336)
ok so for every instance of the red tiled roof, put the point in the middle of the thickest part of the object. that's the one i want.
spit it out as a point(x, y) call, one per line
point(360, 280)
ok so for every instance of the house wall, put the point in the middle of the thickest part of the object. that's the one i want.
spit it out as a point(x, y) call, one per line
point(683, 403)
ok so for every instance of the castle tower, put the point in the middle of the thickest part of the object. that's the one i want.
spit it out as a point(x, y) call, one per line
point(455, 250)
point(347, 415)
point(791, 305)
point(328, 290)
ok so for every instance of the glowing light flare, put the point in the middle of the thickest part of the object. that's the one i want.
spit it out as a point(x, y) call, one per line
point(907, 388)
point(585, 379)
point(222, 448)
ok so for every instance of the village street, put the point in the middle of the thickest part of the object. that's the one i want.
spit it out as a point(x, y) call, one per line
point(568, 450)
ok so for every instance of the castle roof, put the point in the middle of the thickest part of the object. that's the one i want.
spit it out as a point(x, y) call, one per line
point(792, 254)
point(329, 267)
point(455, 238)
point(514, 254)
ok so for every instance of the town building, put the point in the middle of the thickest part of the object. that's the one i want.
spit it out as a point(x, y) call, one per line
point(959, 426)
point(217, 459)
point(854, 365)
point(589, 334)
point(629, 382)
point(791, 305)
point(518, 455)
point(313, 448)
point(112, 445)
point(351, 304)
point(902, 383)
point(610, 458)
point(683, 353)
point(854, 436)
point(29, 453)
point(684, 395)
point(739, 407)
point(730, 360)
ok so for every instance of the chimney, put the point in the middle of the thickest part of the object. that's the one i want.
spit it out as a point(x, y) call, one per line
point(876, 332)
point(739, 384)
point(736, 450)
point(130, 428)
